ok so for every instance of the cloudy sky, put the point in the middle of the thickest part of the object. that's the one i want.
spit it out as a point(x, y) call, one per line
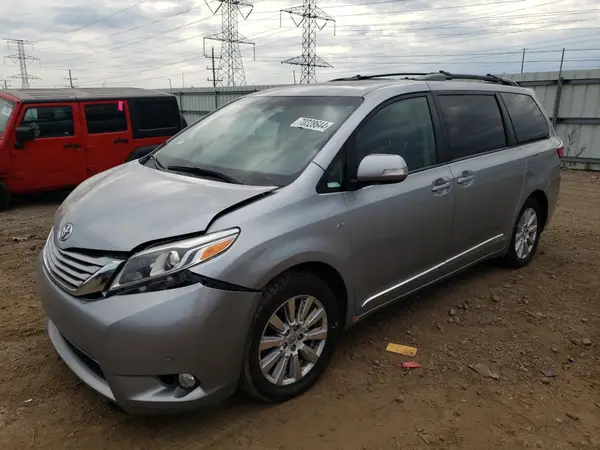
point(147, 43)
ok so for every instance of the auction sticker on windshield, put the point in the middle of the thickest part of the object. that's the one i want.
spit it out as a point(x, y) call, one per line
point(311, 124)
point(6, 111)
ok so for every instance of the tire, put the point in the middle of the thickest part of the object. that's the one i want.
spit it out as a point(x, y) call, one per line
point(4, 197)
point(515, 258)
point(298, 285)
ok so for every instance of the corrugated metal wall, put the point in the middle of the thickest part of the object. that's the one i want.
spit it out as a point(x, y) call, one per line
point(577, 110)
point(577, 107)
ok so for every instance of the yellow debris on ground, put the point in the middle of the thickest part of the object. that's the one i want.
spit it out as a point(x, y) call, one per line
point(401, 349)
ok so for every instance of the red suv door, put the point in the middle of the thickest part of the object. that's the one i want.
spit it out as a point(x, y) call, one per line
point(108, 138)
point(55, 158)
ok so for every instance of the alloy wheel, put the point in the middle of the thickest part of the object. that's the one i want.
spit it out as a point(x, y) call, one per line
point(527, 230)
point(293, 340)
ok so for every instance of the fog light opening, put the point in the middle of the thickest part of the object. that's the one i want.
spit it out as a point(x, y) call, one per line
point(187, 380)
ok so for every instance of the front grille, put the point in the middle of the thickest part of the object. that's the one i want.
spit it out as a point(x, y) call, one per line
point(72, 269)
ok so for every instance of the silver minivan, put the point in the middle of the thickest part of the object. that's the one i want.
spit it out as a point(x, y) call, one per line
point(236, 253)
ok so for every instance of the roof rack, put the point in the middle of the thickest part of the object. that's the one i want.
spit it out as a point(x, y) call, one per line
point(445, 76)
point(382, 75)
point(436, 76)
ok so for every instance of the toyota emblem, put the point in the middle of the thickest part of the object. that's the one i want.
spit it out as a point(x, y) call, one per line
point(65, 232)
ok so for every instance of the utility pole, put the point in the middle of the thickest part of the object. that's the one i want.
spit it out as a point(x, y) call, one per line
point(70, 80)
point(5, 83)
point(310, 14)
point(214, 78)
point(231, 66)
point(22, 58)
point(523, 61)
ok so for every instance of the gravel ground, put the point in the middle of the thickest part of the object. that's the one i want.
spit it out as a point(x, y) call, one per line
point(518, 323)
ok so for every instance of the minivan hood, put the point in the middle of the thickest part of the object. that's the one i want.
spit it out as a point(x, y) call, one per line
point(129, 205)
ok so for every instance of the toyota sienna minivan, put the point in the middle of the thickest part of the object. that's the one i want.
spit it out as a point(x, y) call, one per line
point(237, 252)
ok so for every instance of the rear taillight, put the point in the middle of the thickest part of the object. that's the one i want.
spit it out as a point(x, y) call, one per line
point(560, 151)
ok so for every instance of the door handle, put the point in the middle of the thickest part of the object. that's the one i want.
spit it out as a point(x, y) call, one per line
point(71, 146)
point(441, 184)
point(466, 177)
point(121, 141)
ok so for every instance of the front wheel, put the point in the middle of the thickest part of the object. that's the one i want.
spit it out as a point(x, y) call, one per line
point(526, 235)
point(292, 338)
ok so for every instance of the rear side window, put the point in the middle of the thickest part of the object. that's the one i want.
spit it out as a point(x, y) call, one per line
point(50, 121)
point(105, 118)
point(153, 117)
point(529, 122)
point(474, 124)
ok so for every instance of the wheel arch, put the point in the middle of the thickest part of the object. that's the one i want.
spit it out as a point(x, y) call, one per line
point(542, 199)
point(329, 275)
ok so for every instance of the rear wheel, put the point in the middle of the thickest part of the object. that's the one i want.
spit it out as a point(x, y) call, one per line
point(4, 197)
point(526, 235)
point(292, 338)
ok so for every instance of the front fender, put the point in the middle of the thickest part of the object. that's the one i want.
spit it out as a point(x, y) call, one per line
point(312, 230)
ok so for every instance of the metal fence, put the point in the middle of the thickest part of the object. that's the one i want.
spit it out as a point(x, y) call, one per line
point(571, 98)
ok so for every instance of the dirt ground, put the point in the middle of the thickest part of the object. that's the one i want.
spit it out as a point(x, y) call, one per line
point(518, 323)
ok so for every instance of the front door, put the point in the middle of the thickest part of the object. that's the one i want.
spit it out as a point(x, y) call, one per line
point(399, 232)
point(55, 158)
point(108, 134)
point(488, 169)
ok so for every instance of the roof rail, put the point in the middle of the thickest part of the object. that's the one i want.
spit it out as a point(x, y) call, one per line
point(382, 75)
point(436, 76)
point(442, 75)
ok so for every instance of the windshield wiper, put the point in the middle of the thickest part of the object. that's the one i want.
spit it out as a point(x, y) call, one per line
point(204, 173)
point(156, 162)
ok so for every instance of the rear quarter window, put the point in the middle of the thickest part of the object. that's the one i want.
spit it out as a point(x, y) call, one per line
point(528, 120)
point(154, 117)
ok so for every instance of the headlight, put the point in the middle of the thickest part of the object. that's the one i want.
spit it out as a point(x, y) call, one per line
point(165, 265)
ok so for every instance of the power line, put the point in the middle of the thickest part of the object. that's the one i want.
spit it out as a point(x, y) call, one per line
point(153, 67)
point(22, 58)
point(440, 64)
point(445, 43)
point(416, 56)
point(140, 27)
point(93, 23)
point(132, 42)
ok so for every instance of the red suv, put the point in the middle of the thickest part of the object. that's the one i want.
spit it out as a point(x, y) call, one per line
point(56, 138)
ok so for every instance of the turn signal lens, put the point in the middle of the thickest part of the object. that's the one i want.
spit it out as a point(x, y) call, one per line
point(216, 248)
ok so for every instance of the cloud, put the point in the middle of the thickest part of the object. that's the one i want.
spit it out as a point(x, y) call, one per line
point(155, 41)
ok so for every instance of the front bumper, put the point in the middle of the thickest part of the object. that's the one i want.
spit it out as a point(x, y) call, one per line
point(121, 345)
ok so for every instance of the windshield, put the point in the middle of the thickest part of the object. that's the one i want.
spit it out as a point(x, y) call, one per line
point(259, 140)
point(6, 109)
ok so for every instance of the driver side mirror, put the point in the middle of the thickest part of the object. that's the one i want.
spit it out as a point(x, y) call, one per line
point(382, 168)
point(24, 134)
